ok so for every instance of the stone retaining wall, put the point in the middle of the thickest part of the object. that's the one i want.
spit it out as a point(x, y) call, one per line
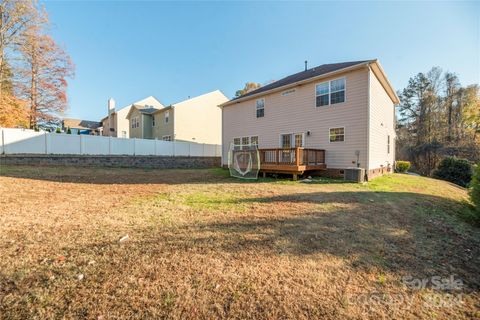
point(161, 162)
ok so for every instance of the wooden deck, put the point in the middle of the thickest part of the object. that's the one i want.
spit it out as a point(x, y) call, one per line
point(291, 160)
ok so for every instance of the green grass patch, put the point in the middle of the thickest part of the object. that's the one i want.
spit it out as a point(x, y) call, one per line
point(216, 202)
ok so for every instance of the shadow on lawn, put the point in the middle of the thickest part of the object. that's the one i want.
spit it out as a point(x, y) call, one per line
point(405, 238)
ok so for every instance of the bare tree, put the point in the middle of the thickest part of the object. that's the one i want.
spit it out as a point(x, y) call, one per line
point(249, 86)
point(43, 76)
point(16, 17)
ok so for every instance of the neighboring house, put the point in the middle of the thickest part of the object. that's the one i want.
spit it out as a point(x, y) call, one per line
point(116, 124)
point(345, 110)
point(198, 119)
point(78, 126)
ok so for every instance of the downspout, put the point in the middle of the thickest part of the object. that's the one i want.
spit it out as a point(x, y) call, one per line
point(367, 166)
point(222, 142)
point(173, 123)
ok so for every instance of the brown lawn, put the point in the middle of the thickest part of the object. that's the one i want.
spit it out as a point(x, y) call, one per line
point(203, 245)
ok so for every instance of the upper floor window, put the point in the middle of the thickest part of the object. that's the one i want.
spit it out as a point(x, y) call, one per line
point(330, 92)
point(254, 140)
point(153, 121)
point(167, 116)
point(260, 106)
point(337, 134)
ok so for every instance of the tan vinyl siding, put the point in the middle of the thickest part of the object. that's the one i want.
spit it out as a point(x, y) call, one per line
point(122, 123)
point(161, 128)
point(147, 126)
point(296, 113)
point(200, 119)
point(382, 124)
point(135, 132)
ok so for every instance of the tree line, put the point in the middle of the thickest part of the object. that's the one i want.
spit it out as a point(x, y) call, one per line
point(33, 68)
point(437, 117)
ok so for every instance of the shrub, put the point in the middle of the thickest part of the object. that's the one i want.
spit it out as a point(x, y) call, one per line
point(458, 171)
point(402, 166)
point(475, 190)
point(69, 131)
point(58, 130)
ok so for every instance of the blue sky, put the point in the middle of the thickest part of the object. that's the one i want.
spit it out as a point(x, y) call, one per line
point(130, 50)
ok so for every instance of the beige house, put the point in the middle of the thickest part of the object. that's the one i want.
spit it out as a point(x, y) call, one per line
point(333, 117)
point(198, 119)
point(116, 124)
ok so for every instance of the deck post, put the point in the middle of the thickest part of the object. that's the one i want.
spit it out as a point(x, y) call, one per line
point(297, 157)
point(294, 177)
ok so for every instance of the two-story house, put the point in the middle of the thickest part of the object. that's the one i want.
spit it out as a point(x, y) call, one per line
point(197, 119)
point(332, 117)
point(116, 124)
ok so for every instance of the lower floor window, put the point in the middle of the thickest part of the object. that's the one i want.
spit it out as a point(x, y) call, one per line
point(238, 143)
point(167, 138)
point(337, 134)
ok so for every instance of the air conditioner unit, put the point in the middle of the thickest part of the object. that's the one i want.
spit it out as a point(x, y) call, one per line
point(355, 175)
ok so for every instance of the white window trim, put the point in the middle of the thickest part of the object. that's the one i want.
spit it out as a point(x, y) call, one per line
point(258, 139)
point(167, 116)
point(241, 141)
point(344, 135)
point(330, 92)
point(292, 134)
point(249, 140)
point(256, 108)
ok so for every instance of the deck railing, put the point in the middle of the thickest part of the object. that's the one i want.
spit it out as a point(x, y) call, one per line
point(292, 156)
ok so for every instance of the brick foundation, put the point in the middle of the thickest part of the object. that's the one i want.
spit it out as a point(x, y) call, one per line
point(339, 173)
point(160, 162)
point(373, 173)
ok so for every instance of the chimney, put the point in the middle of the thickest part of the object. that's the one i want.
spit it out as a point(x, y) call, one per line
point(306, 62)
point(111, 106)
point(111, 110)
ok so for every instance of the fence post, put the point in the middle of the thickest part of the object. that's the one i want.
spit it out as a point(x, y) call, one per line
point(81, 144)
point(173, 148)
point(46, 143)
point(3, 141)
point(155, 146)
point(134, 145)
point(109, 145)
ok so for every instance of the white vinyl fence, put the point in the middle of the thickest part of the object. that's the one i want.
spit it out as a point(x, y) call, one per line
point(20, 141)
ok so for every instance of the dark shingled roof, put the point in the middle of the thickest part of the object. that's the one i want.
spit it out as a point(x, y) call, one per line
point(309, 73)
point(148, 110)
